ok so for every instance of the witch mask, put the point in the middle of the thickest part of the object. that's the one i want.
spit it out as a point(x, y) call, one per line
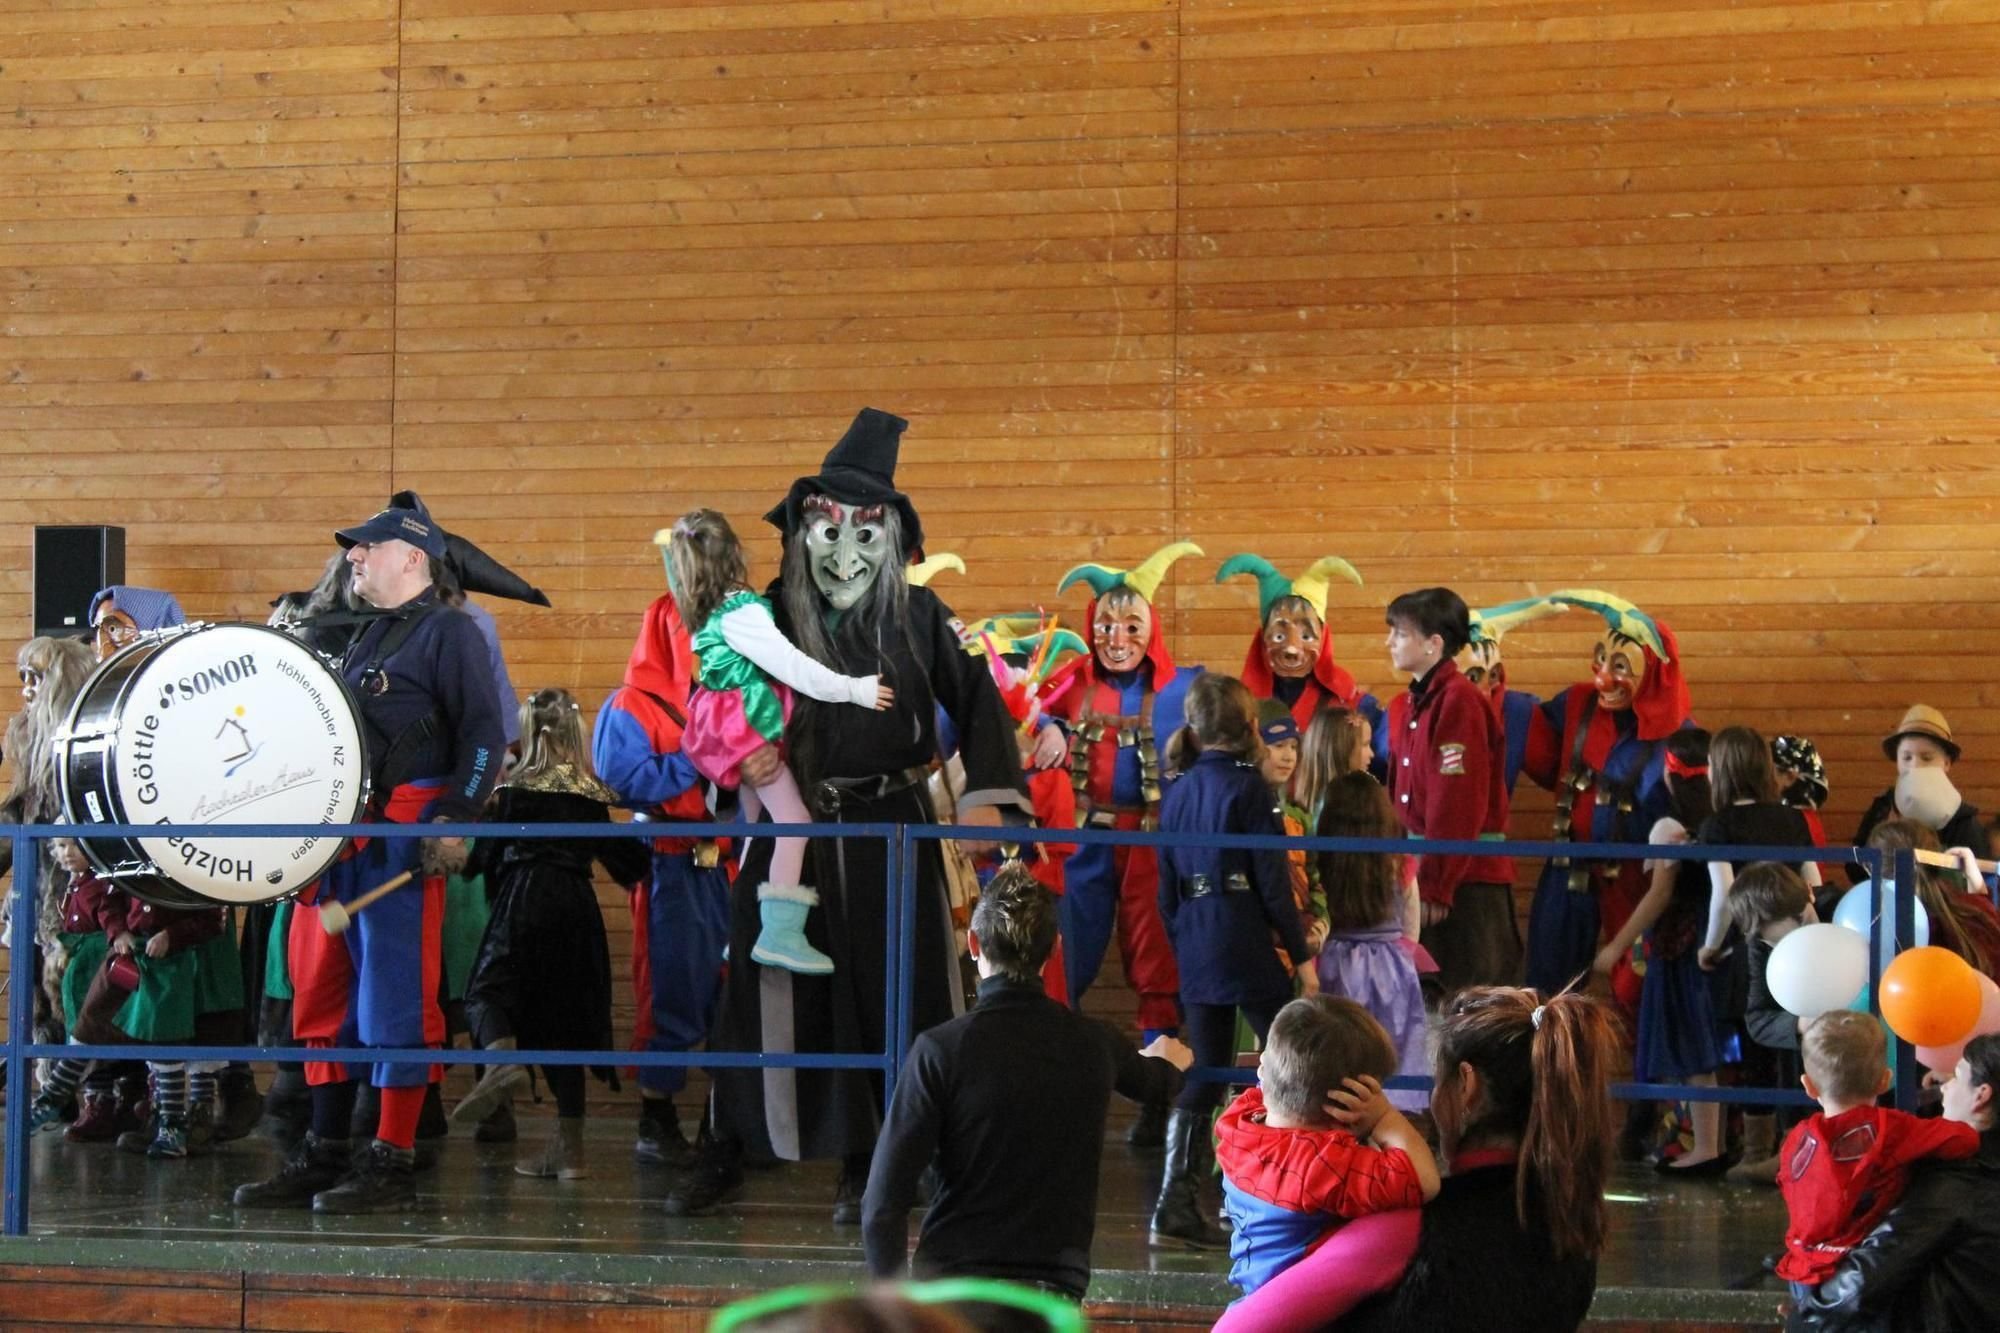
point(846, 547)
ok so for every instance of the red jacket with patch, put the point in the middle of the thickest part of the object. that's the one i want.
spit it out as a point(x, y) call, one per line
point(1448, 777)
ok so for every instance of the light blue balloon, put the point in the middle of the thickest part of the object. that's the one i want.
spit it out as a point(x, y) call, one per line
point(1857, 905)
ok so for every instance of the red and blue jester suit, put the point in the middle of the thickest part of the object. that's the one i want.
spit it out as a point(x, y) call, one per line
point(1117, 888)
point(680, 926)
point(1607, 769)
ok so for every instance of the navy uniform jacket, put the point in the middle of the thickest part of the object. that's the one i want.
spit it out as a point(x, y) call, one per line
point(1221, 907)
point(443, 673)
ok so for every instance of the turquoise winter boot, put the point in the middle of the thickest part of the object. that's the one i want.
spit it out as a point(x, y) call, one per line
point(782, 942)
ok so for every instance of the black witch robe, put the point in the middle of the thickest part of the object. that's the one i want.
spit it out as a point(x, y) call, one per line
point(543, 971)
point(800, 1114)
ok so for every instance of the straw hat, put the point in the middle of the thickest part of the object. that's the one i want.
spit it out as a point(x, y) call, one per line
point(1922, 720)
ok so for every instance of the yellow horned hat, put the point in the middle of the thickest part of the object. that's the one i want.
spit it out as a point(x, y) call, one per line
point(920, 574)
point(1145, 580)
point(1271, 584)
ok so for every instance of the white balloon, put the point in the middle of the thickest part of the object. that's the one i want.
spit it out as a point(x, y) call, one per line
point(1817, 968)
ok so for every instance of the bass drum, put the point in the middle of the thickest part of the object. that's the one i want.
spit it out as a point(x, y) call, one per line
point(213, 724)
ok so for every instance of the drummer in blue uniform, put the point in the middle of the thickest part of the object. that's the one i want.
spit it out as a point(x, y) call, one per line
point(1222, 909)
point(422, 677)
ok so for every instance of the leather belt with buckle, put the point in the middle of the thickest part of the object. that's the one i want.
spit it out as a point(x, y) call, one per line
point(829, 794)
point(1200, 886)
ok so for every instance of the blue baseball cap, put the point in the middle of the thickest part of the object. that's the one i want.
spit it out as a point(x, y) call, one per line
point(398, 523)
point(1275, 722)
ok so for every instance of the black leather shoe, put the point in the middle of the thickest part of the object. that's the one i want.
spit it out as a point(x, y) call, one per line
point(384, 1180)
point(714, 1178)
point(1713, 1169)
point(314, 1165)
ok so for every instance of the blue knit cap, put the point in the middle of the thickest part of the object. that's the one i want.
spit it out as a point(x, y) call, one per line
point(150, 608)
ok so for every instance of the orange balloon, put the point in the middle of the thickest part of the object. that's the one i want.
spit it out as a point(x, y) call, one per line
point(1930, 996)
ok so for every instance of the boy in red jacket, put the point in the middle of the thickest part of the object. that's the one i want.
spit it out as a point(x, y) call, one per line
point(1447, 780)
point(1844, 1168)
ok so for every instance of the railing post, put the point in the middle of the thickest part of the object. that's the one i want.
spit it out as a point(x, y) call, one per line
point(891, 987)
point(22, 983)
point(906, 962)
point(1905, 938)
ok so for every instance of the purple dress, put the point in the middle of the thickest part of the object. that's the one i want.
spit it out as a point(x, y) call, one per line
point(1373, 968)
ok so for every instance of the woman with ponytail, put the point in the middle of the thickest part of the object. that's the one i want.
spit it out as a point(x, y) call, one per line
point(1511, 1243)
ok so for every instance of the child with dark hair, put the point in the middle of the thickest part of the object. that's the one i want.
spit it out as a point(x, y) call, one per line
point(1009, 1102)
point(1849, 1164)
point(1683, 1032)
point(1221, 910)
point(1748, 813)
point(1368, 957)
point(1767, 902)
point(1293, 1168)
point(1447, 778)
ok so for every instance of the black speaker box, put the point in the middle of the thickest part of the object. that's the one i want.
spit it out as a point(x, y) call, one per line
point(71, 564)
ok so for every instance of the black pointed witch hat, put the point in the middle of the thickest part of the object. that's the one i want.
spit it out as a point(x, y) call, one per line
point(476, 571)
point(859, 470)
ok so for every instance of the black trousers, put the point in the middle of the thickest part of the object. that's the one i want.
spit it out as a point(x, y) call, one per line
point(1211, 1032)
point(1478, 944)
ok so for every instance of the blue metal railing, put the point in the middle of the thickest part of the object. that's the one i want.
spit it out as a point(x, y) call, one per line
point(899, 932)
point(21, 1047)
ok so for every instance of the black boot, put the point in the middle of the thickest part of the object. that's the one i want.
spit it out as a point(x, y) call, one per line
point(384, 1180)
point(713, 1178)
point(1179, 1221)
point(241, 1105)
point(1149, 1129)
point(315, 1164)
point(287, 1108)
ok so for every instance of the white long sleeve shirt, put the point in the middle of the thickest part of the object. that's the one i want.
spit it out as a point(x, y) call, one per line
point(749, 630)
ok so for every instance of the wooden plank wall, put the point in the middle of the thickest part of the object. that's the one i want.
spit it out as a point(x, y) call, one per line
point(1693, 302)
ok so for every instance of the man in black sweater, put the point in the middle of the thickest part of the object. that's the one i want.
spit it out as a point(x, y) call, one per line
point(1009, 1101)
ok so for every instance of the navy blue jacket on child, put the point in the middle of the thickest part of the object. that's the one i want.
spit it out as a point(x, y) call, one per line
point(1222, 906)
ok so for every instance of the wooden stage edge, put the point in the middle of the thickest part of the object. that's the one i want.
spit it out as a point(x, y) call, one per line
point(63, 1282)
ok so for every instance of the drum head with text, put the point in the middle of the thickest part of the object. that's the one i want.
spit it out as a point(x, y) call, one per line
point(237, 724)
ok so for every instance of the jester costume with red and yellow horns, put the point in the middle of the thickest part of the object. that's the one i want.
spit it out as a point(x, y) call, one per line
point(1598, 747)
point(1120, 704)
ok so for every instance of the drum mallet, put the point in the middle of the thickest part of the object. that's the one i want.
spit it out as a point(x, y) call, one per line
point(335, 918)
